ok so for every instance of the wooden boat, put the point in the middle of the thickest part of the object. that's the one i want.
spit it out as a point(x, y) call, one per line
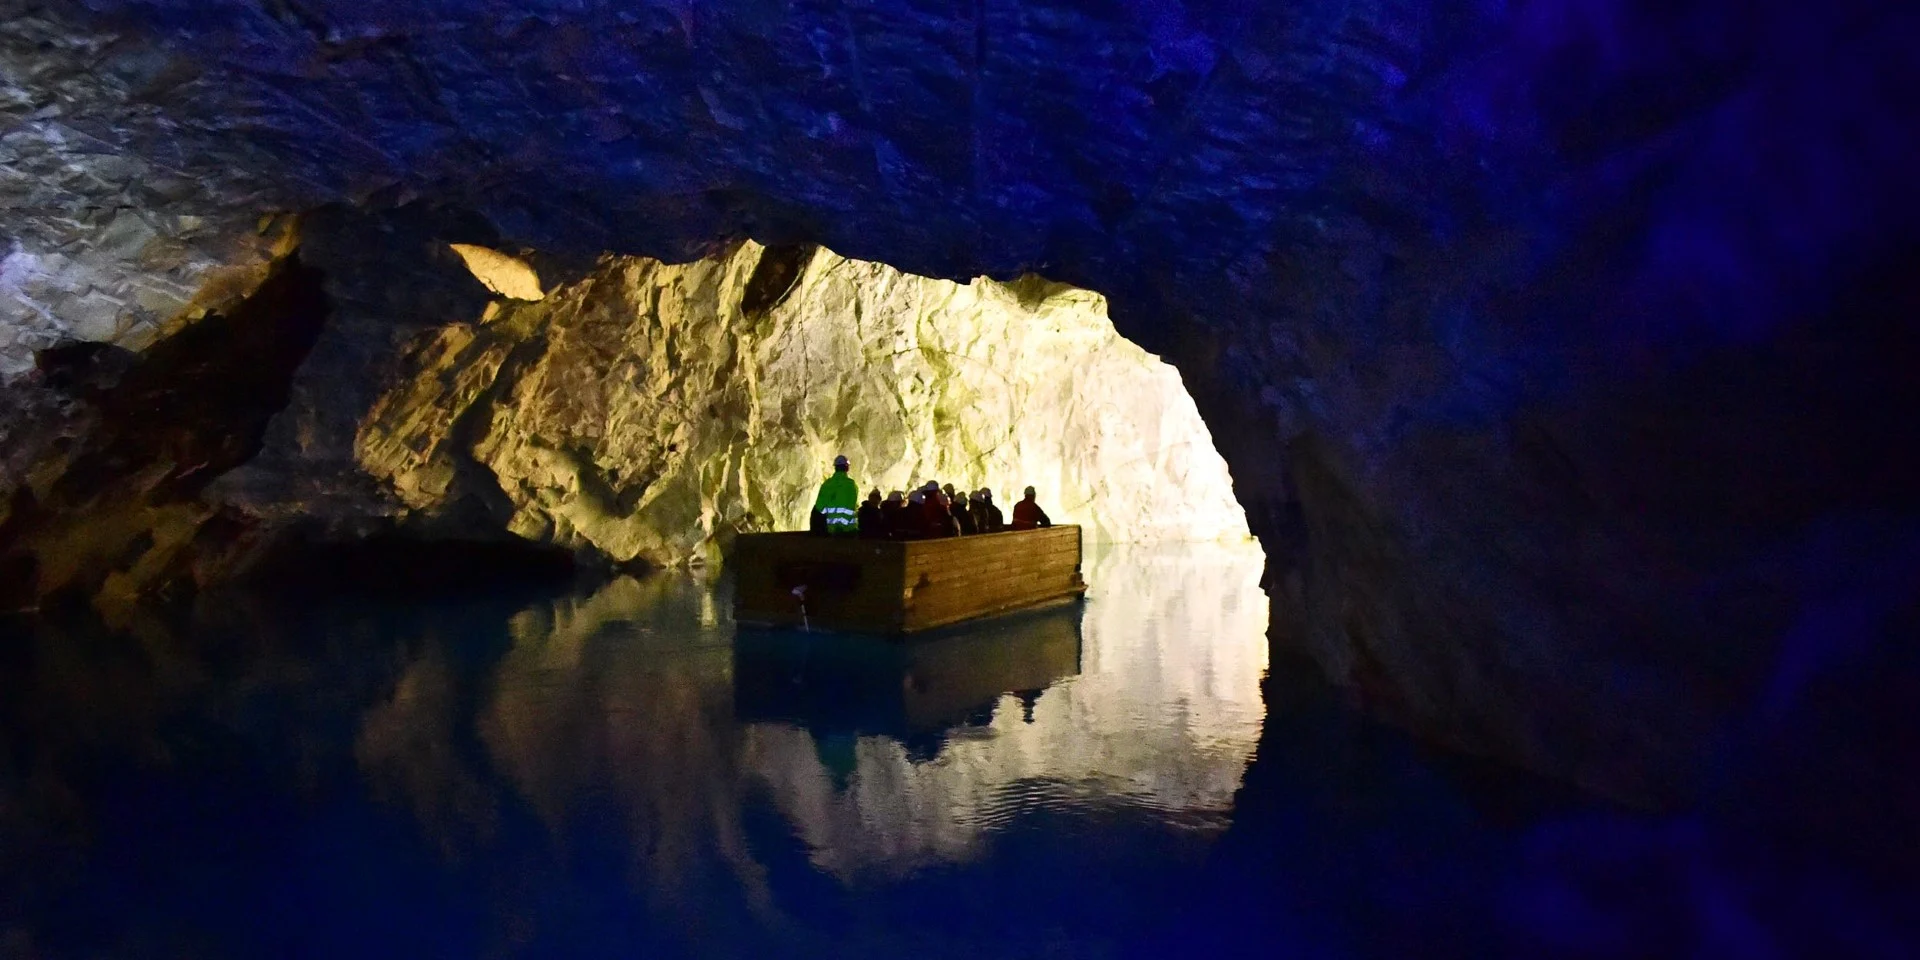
point(896, 587)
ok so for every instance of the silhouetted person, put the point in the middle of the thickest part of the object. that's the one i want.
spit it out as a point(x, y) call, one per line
point(913, 519)
point(939, 516)
point(963, 514)
point(1027, 514)
point(986, 516)
point(873, 520)
point(894, 514)
point(838, 502)
point(1027, 698)
point(953, 509)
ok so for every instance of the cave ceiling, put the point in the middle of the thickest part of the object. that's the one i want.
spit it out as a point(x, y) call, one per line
point(1154, 149)
point(987, 137)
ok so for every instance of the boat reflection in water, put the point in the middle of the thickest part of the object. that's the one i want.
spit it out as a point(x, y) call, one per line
point(838, 685)
point(618, 773)
point(1130, 716)
point(1145, 702)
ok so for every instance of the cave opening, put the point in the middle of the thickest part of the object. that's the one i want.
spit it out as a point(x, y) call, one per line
point(397, 396)
point(646, 412)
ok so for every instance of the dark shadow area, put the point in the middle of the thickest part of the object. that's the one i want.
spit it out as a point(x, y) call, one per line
point(774, 278)
point(1349, 840)
point(188, 786)
point(128, 442)
point(199, 400)
point(398, 567)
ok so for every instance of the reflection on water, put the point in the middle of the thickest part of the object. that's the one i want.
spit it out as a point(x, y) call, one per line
point(1148, 698)
point(618, 773)
point(639, 704)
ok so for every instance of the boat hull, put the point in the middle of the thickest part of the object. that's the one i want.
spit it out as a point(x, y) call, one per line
point(889, 587)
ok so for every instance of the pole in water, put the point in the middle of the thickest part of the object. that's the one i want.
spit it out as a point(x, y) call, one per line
point(801, 592)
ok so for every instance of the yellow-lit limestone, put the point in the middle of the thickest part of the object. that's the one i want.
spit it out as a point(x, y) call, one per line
point(645, 413)
point(505, 275)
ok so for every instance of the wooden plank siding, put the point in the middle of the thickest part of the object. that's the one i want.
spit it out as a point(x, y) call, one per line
point(878, 586)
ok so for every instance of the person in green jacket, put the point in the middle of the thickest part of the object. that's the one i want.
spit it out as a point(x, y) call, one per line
point(839, 502)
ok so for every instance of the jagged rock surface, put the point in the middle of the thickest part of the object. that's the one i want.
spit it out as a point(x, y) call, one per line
point(649, 409)
point(109, 453)
point(100, 240)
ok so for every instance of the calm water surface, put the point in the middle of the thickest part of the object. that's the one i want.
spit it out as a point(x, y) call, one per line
point(622, 773)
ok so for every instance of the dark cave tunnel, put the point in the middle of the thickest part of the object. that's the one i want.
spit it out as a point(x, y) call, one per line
point(1559, 357)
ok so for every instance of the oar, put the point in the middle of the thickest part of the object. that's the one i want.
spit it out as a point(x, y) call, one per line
point(801, 592)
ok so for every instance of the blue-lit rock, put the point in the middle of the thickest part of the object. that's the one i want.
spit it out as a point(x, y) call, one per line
point(1574, 329)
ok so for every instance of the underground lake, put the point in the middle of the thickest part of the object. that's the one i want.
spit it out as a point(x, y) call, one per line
point(1489, 435)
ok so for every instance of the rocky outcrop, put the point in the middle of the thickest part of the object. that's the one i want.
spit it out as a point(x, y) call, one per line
point(109, 454)
point(649, 410)
point(1564, 334)
point(99, 240)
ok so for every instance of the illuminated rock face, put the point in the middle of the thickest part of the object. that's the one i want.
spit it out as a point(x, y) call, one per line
point(101, 243)
point(648, 410)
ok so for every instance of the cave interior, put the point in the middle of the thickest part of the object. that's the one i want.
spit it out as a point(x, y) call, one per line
point(1558, 357)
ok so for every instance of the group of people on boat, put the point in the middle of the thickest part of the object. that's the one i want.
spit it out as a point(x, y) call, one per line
point(929, 512)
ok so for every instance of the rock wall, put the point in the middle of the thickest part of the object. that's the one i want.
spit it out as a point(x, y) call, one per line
point(648, 410)
point(109, 454)
point(100, 242)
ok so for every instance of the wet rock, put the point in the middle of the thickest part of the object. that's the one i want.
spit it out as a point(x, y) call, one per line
point(109, 455)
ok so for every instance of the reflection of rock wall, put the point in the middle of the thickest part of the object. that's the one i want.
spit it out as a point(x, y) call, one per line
point(1168, 632)
point(405, 748)
point(645, 409)
point(573, 714)
point(624, 701)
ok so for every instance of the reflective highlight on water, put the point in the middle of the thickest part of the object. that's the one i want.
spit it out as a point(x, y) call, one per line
point(1148, 699)
point(618, 773)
